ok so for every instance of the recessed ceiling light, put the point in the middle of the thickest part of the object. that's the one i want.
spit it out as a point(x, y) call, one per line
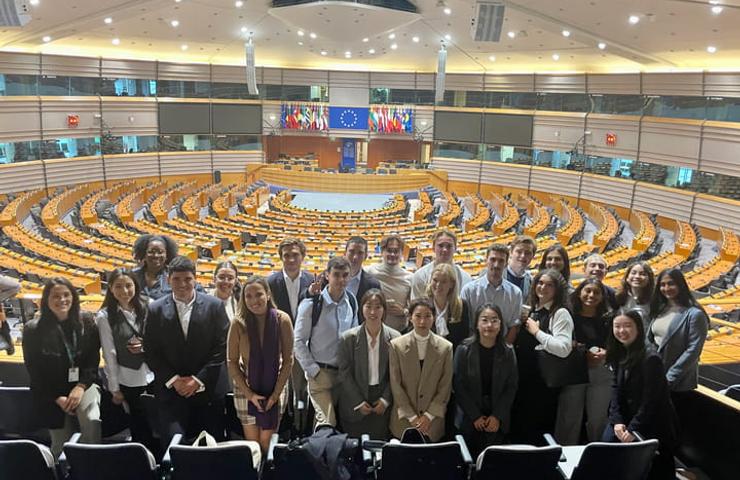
point(116, 41)
point(244, 29)
point(447, 10)
point(511, 34)
point(107, 20)
point(717, 10)
point(566, 33)
point(300, 43)
point(174, 23)
point(34, 2)
point(634, 19)
point(391, 36)
point(602, 45)
point(183, 47)
point(415, 39)
point(178, 1)
point(238, 4)
point(492, 58)
point(711, 49)
point(448, 37)
point(365, 40)
point(347, 54)
point(555, 57)
point(323, 52)
point(394, 46)
point(371, 51)
point(312, 35)
point(300, 33)
point(46, 39)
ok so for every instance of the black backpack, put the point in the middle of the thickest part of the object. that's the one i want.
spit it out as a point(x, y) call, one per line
point(328, 454)
point(318, 304)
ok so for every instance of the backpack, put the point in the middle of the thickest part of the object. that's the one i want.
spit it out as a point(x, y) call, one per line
point(318, 304)
point(330, 454)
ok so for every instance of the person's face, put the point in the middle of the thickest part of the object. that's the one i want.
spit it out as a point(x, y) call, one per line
point(292, 258)
point(123, 290)
point(338, 278)
point(225, 280)
point(591, 296)
point(422, 318)
point(555, 261)
point(444, 249)
point(372, 310)
point(596, 268)
point(60, 301)
point(489, 324)
point(625, 330)
point(441, 285)
point(392, 253)
point(545, 289)
point(637, 278)
point(495, 264)
point(183, 285)
point(356, 254)
point(668, 287)
point(521, 255)
point(256, 299)
point(156, 255)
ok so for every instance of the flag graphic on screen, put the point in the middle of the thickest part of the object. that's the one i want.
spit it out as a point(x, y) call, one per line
point(391, 119)
point(348, 118)
point(304, 116)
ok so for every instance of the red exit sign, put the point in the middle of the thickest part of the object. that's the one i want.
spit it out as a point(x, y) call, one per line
point(611, 139)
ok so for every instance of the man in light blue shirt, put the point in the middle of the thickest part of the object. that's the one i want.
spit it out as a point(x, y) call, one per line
point(494, 288)
point(317, 342)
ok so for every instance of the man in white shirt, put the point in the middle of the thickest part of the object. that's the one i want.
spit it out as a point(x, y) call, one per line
point(395, 281)
point(444, 243)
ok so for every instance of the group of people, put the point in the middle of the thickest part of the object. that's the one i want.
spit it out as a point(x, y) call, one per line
point(377, 350)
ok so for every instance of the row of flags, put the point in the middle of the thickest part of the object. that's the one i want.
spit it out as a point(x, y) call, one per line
point(317, 117)
point(304, 116)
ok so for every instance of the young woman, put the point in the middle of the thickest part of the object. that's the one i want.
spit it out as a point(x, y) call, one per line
point(226, 286)
point(450, 312)
point(591, 329)
point(121, 323)
point(640, 398)
point(61, 350)
point(485, 380)
point(153, 253)
point(549, 328)
point(259, 357)
point(421, 375)
point(636, 290)
point(678, 328)
point(556, 257)
point(364, 388)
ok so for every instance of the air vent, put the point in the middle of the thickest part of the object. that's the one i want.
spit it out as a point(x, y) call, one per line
point(488, 18)
point(14, 13)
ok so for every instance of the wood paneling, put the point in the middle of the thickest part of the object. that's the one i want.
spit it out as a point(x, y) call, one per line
point(114, 68)
point(611, 191)
point(389, 150)
point(509, 83)
point(58, 65)
point(71, 171)
point(132, 116)
point(626, 128)
point(135, 165)
point(713, 212)
point(720, 148)
point(672, 84)
point(189, 72)
point(235, 162)
point(560, 83)
point(564, 182)
point(20, 119)
point(670, 142)
point(613, 83)
point(182, 163)
point(667, 202)
point(54, 111)
point(328, 152)
point(507, 175)
point(12, 63)
point(557, 131)
point(21, 177)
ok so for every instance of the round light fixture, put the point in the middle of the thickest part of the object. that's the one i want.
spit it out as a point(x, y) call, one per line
point(634, 19)
point(711, 49)
point(555, 57)
point(566, 33)
point(116, 41)
point(602, 45)
point(175, 23)
point(107, 20)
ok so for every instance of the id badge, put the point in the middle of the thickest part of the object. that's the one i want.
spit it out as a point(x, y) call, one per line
point(73, 374)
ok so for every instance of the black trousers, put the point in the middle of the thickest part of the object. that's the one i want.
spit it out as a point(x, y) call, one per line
point(141, 430)
point(189, 416)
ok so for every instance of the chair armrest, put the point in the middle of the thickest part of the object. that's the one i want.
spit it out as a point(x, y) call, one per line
point(638, 436)
point(550, 440)
point(464, 449)
point(62, 461)
point(367, 458)
point(271, 449)
point(167, 459)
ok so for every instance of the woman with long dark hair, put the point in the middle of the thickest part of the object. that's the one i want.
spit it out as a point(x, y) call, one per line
point(121, 323)
point(485, 381)
point(226, 286)
point(153, 253)
point(636, 289)
point(61, 350)
point(556, 257)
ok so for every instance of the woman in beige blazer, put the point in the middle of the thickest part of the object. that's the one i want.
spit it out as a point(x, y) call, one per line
point(421, 375)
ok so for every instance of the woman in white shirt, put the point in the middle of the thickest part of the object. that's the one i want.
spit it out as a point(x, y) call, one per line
point(226, 286)
point(450, 312)
point(121, 322)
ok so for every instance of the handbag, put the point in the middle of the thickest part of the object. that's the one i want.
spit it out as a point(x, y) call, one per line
point(559, 372)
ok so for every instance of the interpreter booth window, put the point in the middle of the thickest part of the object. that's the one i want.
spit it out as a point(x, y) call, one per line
point(379, 95)
point(271, 92)
point(182, 89)
point(507, 154)
point(612, 167)
point(51, 85)
point(70, 148)
point(116, 145)
point(715, 184)
point(237, 142)
point(184, 143)
point(553, 159)
point(617, 104)
point(16, 152)
point(237, 91)
point(424, 97)
point(18, 85)
point(304, 93)
point(723, 109)
point(467, 151)
point(127, 87)
point(563, 102)
point(676, 107)
point(476, 99)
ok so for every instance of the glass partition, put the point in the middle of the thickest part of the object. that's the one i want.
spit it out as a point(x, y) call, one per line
point(617, 104)
point(182, 89)
point(19, 85)
point(70, 147)
point(237, 142)
point(184, 143)
point(723, 109)
point(457, 150)
point(676, 107)
point(564, 102)
point(127, 87)
point(14, 152)
point(232, 90)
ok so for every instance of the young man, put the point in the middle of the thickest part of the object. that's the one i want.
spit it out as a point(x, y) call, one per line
point(185, 345)
point(359, 280)
point(320, 322)
point(445, 245)
point(596, 266)
point(521, 253)
point(395, 281)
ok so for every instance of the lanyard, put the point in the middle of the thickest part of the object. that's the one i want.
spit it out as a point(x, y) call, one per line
point(70, 350)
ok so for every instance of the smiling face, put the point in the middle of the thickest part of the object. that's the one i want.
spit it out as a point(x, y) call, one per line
point(637, 278)
point(356, 253)
point(521, 256)
point(441, 284)
point(338, 279)
point(596, 268)
point(292, 259)
point(392, 253)
point(123, 290)
point(183, 285)
point(495, 265)
point(156, 255)
point(668, 288)
point(60, 301)
point(444, 249)
point(554, 260)
point(488, 325)
point(256, 299)
point(624, 330)
point(545, 289)
point(225, 280)
point(372, 310)
point(591, 296)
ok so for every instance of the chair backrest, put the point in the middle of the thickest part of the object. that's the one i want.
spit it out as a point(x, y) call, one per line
point(119, 461)
point(229, 460)
point(519, 461)
point(616, 461)
point(26, 459)
point(17, 417)
point(433, 461)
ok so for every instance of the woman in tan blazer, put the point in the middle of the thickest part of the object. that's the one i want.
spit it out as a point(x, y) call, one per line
point(259, 369)
point(421, 375)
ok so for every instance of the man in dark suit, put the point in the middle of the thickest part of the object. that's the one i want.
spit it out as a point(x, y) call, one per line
point(359, 280)
point(185, 345)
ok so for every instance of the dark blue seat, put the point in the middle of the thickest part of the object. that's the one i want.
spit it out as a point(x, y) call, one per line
point(118, 461)
point(26, 459)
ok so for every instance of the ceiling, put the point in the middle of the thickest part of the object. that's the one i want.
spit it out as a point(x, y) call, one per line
point(670, 34)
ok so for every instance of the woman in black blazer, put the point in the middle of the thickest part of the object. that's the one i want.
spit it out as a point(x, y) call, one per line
point(640, 401)
point(450, 312)
point(485, 380)
point(61, 350)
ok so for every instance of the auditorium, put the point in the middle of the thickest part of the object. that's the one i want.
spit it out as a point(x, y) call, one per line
point(369, 239)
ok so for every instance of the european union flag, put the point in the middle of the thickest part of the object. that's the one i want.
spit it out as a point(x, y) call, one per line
point(349, 118)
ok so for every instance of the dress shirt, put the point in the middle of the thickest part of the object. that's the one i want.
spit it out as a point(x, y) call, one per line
point(116, 374)
point(396, 285)
point(335, 319)
point(506, 295)
point(184, 310)
point(440, 323)
point(353, 284)
point(293, 288)
point(373, 364)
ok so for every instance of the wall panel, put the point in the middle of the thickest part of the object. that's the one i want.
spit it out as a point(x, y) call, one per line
point(614, 83)
point(305, 77)
point(133, 116)
point(563, 182)
point(54, 111)
point(20, 119)
point(626, 128)
point(425, 81)
point(505, 174)
point(137, 165)
point(71, 171)
point(557, 131)
point(670, 142)
point(21, 177)
point(348, 79)
point(509, 83)
point(464, 81)
point(560, 83)
point(406, 80)
point(12, 63)
point(114, 68)
point(232, 74)
point(272, 76)
point(58, 65)
point(672, 84)
point(183, 163)
point(421, 115)
point(720, 148)
point(188, 72)
point(722, 84)
point(458, 169)
point(235, 162)
point(607, 190)
point(667, 202)
point(712, 212)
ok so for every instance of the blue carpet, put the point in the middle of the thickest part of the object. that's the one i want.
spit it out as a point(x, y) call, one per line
point(342, 202)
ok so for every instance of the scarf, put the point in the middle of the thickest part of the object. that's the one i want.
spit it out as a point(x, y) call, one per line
point(263, 367)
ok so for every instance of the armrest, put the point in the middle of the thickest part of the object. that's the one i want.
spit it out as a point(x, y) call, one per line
point(271, 449)
point(464, 449)
point(62, 461)
point(638, 436)
point(166, 459)
point(367, 458)
point(550, 440)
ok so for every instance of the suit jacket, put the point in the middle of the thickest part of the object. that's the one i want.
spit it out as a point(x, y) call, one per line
point(280, 291)
point(352, 384)
point(468, 388)
point(682, 347)
point(418, 390)
point(367, 281)
point(202, 353)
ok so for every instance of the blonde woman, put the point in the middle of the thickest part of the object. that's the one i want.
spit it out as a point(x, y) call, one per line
point(450, 312)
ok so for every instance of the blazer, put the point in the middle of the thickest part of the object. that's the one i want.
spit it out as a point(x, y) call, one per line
point(682, 347)
point(459, 330)
point(642, 402)
point(280, 291)
point(467, 383)
point(203, 353)
point(48, 365)
point(418, 390)
point(367, 281)
point(352, 384)
point(237, 355)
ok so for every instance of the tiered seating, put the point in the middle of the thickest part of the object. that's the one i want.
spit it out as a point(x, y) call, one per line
point(729, 245)
point(507, 213)
point(482, 215)
point(686, 240)
point(453, 211)
point(162, 204)
point(646, 231)
point(574, 223)
point(227, 199)
point(607, 223)
point(132, 202)
point(540, 218)
point(88, 212)
point(20, 207)
point(426, 207)
point(89, 282)
point(704, 275)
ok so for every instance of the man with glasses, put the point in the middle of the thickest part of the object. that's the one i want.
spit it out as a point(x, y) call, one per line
point(395, 281)
point(445, 245)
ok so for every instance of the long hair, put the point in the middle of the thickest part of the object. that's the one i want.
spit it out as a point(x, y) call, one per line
point(563, 253)
point(685, 298)
point(230, 265)
point(454, 304)
point(500, 339)
point(243, 314)
point(616, 352)
point(111, 304)
point(560, 300)
point(141, 245)
point(577, 304)
point(625, 290)
point(74, 310)
point(375, 294)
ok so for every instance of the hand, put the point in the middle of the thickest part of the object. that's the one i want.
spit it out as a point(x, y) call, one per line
point(61, 402)
point(315, 287)
point(595, 359)
point(423, 424)
point(270, 403)
point(73, 399)
point(532, 326)
point(257, 400)
point(619, 430)
point(379, 408)
point(481, 423)
point(135, 346)
point(493, 424)
point(117, 398)
point(628, 437)
point(186, 386)
point(365, 408)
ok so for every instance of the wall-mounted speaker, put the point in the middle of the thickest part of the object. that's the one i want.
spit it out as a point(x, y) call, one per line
point(251, 70)
point(439, 87)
